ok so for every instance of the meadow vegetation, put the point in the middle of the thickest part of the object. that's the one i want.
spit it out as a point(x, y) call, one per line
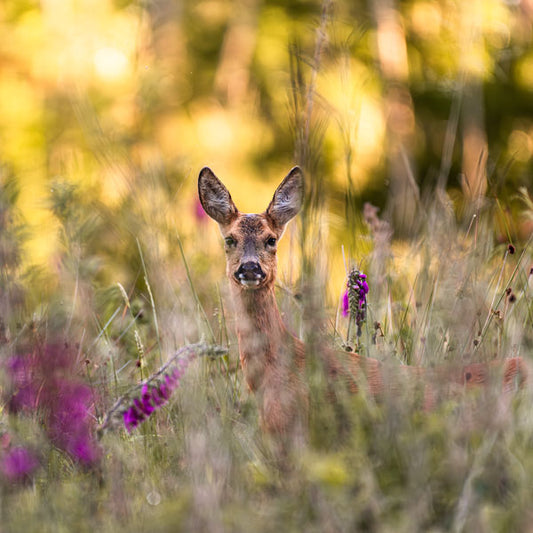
point(417, 160)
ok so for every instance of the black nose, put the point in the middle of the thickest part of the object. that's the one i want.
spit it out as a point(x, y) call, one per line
point(250, 271)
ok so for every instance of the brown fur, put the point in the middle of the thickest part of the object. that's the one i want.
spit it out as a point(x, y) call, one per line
point(273, 360)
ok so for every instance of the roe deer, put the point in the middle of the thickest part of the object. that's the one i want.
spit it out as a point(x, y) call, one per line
point(271, 358)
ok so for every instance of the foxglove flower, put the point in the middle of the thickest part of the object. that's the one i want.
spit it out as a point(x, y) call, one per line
point(153, 394)
point(25, 390)
point(44, 382)
point(354, 299)
point(345, 304)
point(18, 464)
point(199, 213)
point(132, 418)
point(70, 422)
point(145, 398)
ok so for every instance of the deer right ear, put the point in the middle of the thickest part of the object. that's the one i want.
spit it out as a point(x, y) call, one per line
point(287, 199)
point(215, 198)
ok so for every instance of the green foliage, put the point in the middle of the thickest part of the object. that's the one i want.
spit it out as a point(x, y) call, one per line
point(107, 111)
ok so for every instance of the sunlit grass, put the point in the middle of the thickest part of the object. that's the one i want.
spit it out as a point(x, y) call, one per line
point(109, 270)
point(201, 462)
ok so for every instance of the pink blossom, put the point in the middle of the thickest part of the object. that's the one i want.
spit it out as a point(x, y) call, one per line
point(18, 464)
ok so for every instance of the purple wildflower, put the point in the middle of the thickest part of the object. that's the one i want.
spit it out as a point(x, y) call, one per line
point(157, 397)
point(164, 391)
point(354, 299)
point(345, 304)
point(21, 371)
point(146, 399)
point(145, 408)
point(18, 464)
point(132, 418)
point(69, 422)
point(199, 212)
point(84, 449)
point(44, 382)
point(150, 399)
point(171, 381)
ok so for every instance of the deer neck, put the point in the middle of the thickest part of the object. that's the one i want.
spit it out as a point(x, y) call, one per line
point(260, 330)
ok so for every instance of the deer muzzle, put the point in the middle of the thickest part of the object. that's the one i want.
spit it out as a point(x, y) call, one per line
point(250, 274)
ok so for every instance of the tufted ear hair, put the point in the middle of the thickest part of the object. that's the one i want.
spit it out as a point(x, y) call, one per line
point(215, 198)
point(287, 199)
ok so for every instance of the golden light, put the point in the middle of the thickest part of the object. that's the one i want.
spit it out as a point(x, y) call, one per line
point(370, 130)
point(216, 131)
point(426, 19)
point(524, 72)
point(110, 63)
point(392, 49)
point(520, 146)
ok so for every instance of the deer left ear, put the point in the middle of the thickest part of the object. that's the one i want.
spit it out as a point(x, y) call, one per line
point(215, 198)
point(287, 199)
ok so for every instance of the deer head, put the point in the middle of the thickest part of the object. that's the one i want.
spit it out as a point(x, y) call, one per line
point(251, 239)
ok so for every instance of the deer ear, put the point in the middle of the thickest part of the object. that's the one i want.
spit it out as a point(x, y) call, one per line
point(215, 198)
point(287, 199)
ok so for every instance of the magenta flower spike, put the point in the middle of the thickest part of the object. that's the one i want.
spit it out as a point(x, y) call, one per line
point(164, 391)
point(157, 398)
point(18, 464)
point(132, 418)
point(45, 381)
point(354, 299)
point(199, 212)
point(144, 399)
point(152, 397)
point(170, 382)
point(345, 304)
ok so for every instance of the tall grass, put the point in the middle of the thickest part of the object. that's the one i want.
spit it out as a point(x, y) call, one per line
point(451, 294)
point(200, 462)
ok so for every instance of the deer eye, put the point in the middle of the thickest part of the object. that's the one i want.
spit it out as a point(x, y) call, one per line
point(230, 241)
point(271, 242)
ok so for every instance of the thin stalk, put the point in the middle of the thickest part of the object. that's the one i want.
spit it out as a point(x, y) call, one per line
point(429, 312)
point(193, 289)
point(137, 335)
point(224, 361)
point(103, 333)
point(152, 303)
point(507, 285)
point(103, 329)
point(404, 317)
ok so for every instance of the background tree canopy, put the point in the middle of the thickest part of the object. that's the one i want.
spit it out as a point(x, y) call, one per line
point(111, 108)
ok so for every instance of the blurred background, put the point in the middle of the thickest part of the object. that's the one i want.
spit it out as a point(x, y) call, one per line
point(109, 109)
point(413, 122)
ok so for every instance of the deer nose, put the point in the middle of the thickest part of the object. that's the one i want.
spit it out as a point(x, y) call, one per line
point(250, 271)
